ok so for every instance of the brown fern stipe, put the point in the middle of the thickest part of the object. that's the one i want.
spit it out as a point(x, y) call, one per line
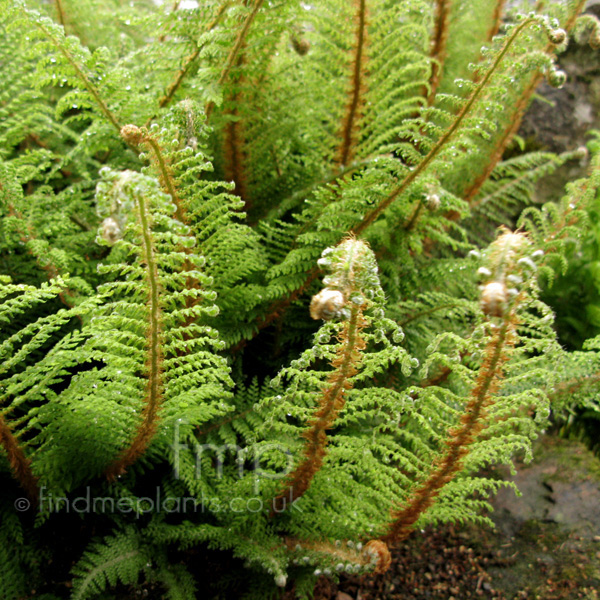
point(153, 395)
point(330, 404)
point(60, 13)
point(503, 259)
point(349, 133)
point(438, 49)
point(89, 86)
point(496, 19)
point(19, 463)
point(444, 139)
point(188, 62)
point(135, 136)
point(234, 141)
point(459, 438)
point(374, 555)
point(233, 54)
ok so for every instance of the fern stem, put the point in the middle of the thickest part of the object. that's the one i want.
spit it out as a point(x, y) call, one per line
point(166, 178)
point(572, 18)
point(494, 28)
point(60, 13)
point(438, 49)
point(234, 142)
point(330, 404)
point(420, 168)
point(414, 218)
point(349, 133)
point(459, 438)
point(347, 553)
point(148, 425)
point(241, 38)
point(19, 463)
point(83, 77)
point(573, 385)
point(514, 121)
point(188, 61)
point(496, 19)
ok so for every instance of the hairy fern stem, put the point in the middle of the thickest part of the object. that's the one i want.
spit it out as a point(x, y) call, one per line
point(349, 132)
point(60, 13)
point(20, 465)
point(330, 404)
point(438, 49)
point(154, 385)
point(89, 86)
point(234, 143)
point(233, 54)
point(460, 437)
point(166, 178)
point(420, 168)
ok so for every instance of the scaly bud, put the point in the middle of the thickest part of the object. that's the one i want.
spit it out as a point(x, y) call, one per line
point(132, 134)
point(557, 36)
point(381, 553)
point(327, 304)
point(556, 78)
point(493, 299)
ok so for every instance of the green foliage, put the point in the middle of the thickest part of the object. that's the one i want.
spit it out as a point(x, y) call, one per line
point(173, 184)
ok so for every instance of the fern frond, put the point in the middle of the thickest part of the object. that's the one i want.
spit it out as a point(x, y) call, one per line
point(118, 558)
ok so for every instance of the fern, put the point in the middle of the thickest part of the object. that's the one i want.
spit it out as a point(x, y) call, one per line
point(175, 184)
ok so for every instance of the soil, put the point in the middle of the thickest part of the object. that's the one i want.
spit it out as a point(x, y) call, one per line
point(545, 544)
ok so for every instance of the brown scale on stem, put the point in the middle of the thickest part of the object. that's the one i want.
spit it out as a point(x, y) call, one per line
point(154, 379)
point(140, 136)
point(438, 47)
point(374, 554)
point(20, 465)
point(349, 132)
point(60, 13)
point(235, 157)
point(496, 19)
point(330, 404)
point(460, 437)
point(503, 258)
point(353, 269)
